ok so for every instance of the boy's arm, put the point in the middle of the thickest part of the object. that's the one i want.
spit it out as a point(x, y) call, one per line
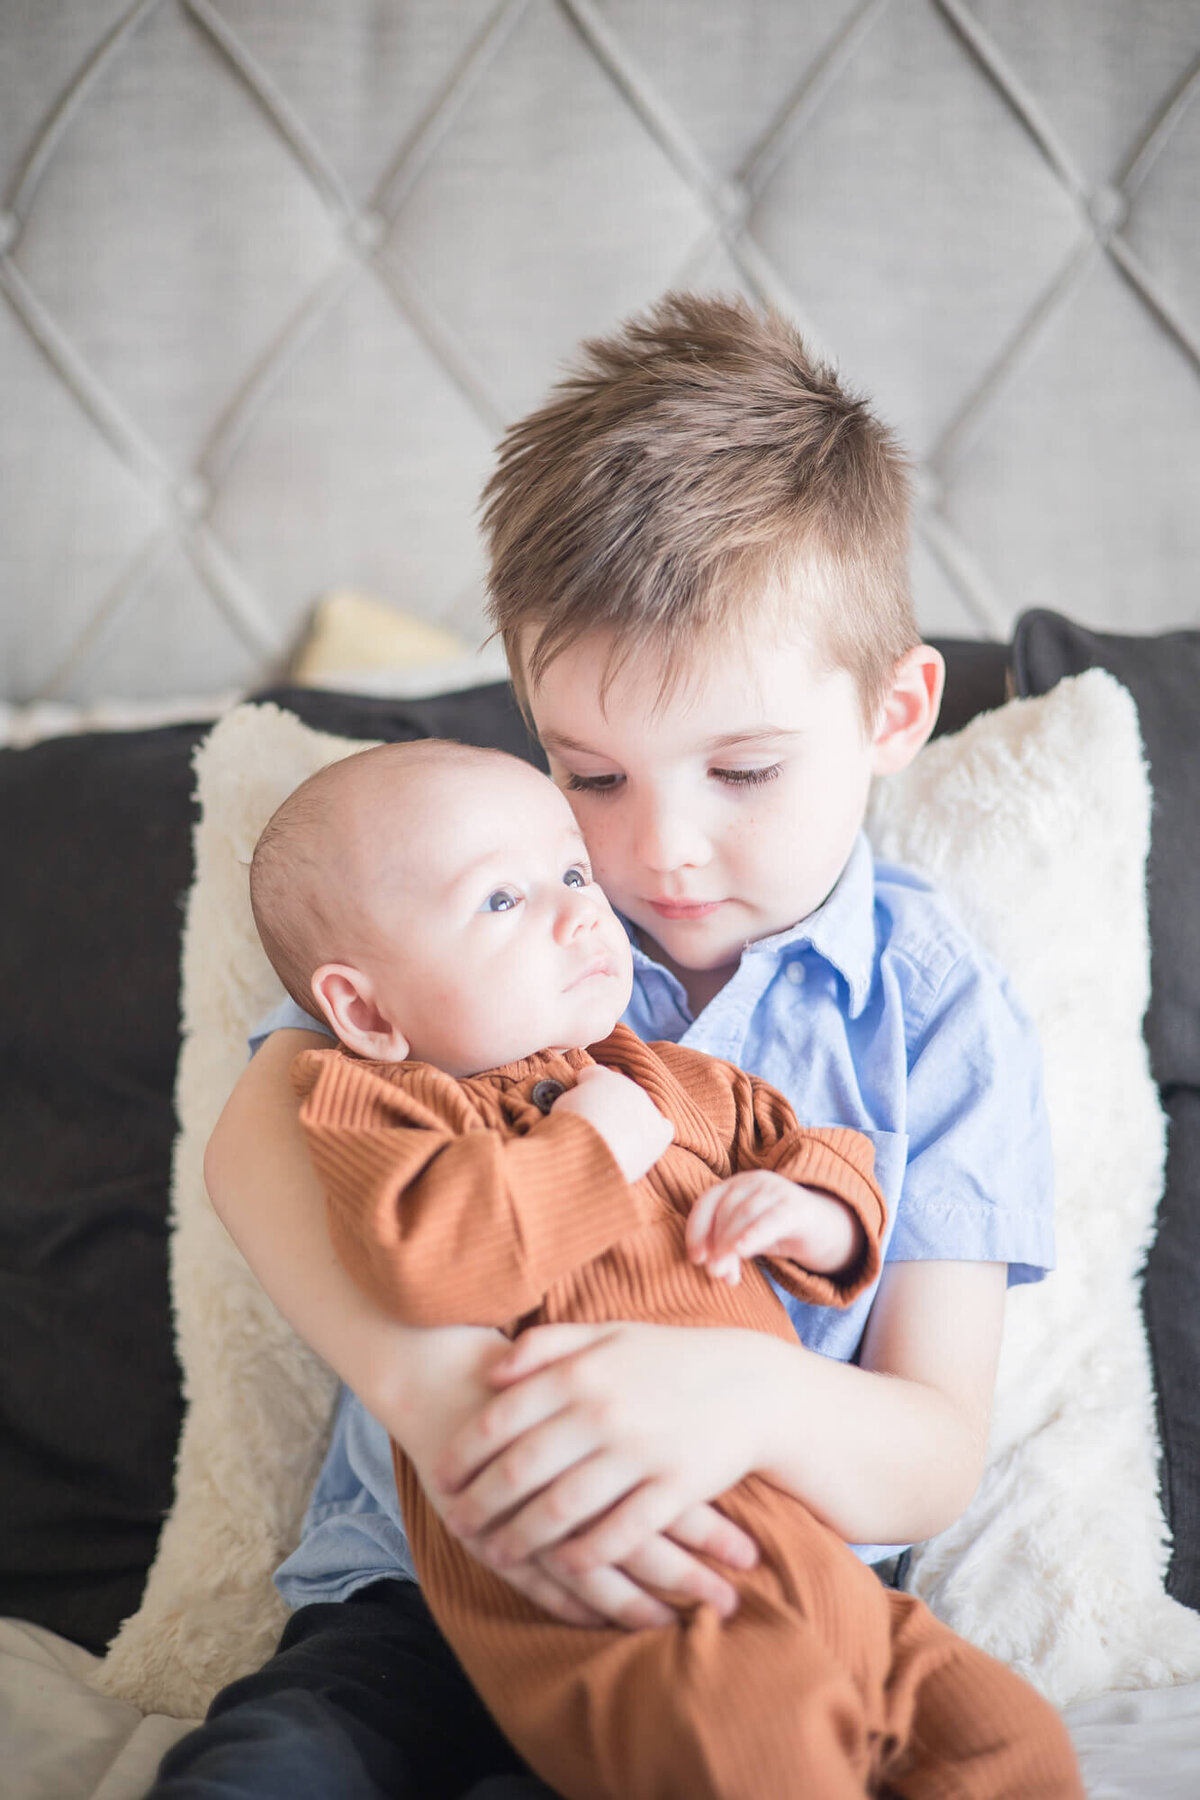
point(263, 1187)
point(447, 1226)
point(887, 1452)
point(421, 1385)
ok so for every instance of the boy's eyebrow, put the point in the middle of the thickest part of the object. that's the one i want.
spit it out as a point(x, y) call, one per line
point(755, 734)
point(751, 734)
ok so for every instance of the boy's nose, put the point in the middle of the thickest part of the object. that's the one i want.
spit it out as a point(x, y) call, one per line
point(667, 839)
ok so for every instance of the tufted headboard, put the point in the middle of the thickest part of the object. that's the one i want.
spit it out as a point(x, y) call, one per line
point(274, 274)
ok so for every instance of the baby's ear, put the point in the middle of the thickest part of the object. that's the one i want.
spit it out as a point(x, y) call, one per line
point(347, 999)
point(909, 711)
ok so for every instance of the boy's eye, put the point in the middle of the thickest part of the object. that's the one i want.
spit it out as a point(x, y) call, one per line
point(593, 784)
point(576, 877)
point(747, 777)
point(501, 900)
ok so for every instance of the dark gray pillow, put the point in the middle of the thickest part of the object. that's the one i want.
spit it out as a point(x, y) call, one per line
point(1163, 675)
point(97, 864)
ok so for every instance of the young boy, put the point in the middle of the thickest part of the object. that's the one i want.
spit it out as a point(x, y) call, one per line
point(698, 562)
point(435, 904)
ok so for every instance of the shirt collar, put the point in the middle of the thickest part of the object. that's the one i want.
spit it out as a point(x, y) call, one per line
point(841, 931)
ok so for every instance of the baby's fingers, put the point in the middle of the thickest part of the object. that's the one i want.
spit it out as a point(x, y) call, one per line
point(748, 1227)
point(700, 1222)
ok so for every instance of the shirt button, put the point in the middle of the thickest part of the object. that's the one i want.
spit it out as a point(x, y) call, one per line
point(795, 972)
point(545, 1093)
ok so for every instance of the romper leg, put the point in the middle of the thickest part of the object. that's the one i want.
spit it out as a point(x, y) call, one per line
point(963, 1726)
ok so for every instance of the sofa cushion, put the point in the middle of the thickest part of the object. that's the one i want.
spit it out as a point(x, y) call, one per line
point(97, 864)
point(1058, 1566)
point(1163, 675)
point(95, 828)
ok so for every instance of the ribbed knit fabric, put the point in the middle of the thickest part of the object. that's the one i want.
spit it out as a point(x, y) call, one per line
point(461, 1202)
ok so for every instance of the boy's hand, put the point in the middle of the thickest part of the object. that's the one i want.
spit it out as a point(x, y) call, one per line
point(624, 1115)
point(446, 1384)
point(760, 1213)
point(603, 1437)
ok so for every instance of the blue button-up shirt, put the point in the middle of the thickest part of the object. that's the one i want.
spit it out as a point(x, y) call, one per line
point(877, 1011)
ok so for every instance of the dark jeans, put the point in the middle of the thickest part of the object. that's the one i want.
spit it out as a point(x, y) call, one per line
point(363, 1700)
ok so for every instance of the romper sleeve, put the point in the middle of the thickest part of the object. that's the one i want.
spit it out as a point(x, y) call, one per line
point(834, 1159)
point(760, 1131)
point(449, 1225)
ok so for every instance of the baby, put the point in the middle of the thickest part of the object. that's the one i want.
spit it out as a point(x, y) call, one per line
point(434, 904)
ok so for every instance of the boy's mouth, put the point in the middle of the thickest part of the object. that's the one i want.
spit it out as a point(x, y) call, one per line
point(684, 909)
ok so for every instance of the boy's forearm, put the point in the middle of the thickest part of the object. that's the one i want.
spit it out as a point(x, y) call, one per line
point(880, 1458)
point(265, 1190)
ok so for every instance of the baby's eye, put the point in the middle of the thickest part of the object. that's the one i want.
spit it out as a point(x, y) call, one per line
point(747, 777)
point(576, 877)
point(593, 784)
point(501, 900)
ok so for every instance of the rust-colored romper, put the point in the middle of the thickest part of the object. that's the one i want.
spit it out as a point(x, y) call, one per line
point(463, 1202)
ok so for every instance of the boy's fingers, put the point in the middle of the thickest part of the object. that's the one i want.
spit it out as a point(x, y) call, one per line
point(666, 1567)
point(705, 1529)
point(529, 1404)
point(526, 1466)
point(583, 1492)
point(622, 1530)
point(553, 1597)
point(617, 1599)
point(543, 1344)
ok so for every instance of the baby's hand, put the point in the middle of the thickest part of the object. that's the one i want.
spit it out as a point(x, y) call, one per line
point(760, 1213)
point(624, 1115)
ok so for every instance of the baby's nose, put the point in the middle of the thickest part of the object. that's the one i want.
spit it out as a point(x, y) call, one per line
point(577, 913)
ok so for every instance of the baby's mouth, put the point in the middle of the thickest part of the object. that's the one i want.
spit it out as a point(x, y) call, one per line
point(599, 966)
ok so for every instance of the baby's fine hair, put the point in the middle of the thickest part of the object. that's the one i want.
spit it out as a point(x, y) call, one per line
point(697, 462)
point(302, 910)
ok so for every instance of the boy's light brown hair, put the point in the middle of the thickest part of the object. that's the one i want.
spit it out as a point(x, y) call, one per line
point(697, 463)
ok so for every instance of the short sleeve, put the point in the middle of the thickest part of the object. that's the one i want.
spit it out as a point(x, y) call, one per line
point(287, 1016)
point(979, 1186)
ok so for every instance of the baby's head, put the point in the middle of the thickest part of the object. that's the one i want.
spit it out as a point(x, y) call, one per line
point(435, 901)
point(701, 478)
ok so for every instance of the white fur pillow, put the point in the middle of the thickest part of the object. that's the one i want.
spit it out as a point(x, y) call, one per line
point(1035, 820)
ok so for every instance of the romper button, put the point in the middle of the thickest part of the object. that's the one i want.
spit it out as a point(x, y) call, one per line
point(545, 1093)
point(795, 972)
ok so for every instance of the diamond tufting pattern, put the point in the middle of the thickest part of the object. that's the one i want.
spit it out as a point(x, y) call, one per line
point(272, 279)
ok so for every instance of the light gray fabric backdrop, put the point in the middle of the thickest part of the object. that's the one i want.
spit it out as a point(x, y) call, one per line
point(274, 276)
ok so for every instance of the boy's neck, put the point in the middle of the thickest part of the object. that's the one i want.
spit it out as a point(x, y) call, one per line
point(700, 985)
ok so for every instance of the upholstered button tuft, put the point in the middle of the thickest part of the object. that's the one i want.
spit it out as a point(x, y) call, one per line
point(366, 231)
point(545, 1093)
point(795, 972)
point(192, 496)
point(1108, 209)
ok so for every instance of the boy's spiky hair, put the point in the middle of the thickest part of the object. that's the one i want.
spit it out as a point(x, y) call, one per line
point(696, 462)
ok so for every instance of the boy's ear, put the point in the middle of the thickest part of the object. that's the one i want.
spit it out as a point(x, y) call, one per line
point(346, 998)
point(910, 710)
